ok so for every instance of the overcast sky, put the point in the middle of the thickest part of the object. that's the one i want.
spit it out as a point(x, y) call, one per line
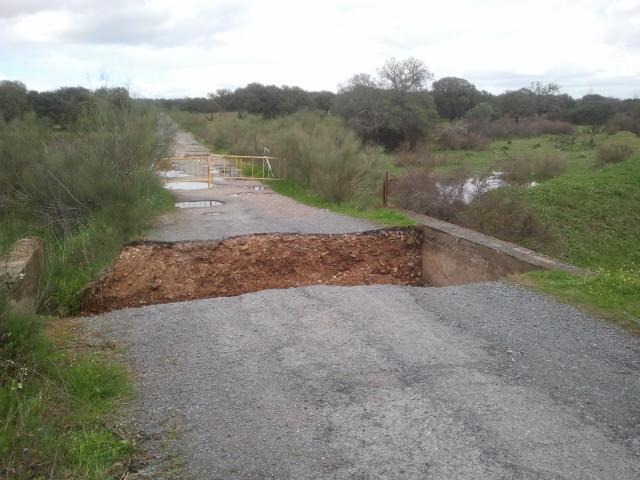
point(192, 47)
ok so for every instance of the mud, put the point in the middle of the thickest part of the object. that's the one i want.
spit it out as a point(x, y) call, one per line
point(160, 272)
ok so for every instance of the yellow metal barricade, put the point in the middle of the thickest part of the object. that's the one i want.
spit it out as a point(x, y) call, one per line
point(206, 168)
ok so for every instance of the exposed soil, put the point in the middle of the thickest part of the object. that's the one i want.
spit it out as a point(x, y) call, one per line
point(160, 272)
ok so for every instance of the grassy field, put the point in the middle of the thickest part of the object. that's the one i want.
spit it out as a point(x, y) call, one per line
point(574, 151)
point(596, 216)
point(586, 212)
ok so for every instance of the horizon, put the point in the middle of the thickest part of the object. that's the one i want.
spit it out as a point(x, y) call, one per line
point(159, 50)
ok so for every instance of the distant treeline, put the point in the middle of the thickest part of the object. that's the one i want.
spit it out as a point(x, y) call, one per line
point(62, 107)
point(396, 106)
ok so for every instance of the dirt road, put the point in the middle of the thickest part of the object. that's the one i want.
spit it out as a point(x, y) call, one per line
point(482, 381)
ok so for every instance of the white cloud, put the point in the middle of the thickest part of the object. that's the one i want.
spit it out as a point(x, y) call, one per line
point(194, 47)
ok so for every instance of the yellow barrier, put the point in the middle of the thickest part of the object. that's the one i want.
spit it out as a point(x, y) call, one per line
point(232, 167)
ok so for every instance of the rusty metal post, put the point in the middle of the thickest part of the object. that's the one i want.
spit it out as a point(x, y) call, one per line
point(385, 190)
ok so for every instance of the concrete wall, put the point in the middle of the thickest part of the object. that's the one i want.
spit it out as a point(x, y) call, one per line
point(20, 273)
point(453, 255)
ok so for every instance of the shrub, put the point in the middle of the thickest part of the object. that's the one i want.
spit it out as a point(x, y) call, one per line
point(526, 169)
point(458, 137)
point(440, 196)
point(624, 122)
point(84, 190)
point(321, 153)
point(614, 153)
point(504, 214)
point(509, 128)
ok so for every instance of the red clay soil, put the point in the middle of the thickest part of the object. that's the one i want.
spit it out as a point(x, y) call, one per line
point(157, 272)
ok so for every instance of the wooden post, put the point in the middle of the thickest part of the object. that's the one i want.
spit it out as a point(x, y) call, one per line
point(209, 172)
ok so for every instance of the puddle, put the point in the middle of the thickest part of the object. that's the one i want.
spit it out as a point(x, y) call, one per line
point(173, 173)
point(241, 194)
point(212, 213)
point(199, 204)
point(186, 185)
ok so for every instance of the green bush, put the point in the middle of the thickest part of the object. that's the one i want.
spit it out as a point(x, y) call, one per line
point(85, 189)
point(321, 153)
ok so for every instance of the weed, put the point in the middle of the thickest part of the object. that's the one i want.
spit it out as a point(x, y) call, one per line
point(614, 153)
point(52, 406)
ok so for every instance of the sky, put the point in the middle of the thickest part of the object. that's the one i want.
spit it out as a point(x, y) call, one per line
point(162, 48)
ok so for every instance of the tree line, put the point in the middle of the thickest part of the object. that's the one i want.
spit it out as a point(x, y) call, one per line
point(400, 105)
point(61, 108)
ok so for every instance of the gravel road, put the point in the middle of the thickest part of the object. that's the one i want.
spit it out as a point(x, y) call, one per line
point(483, 381)
point(245, 211)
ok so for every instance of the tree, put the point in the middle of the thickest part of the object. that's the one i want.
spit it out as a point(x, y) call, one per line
point(63, 106)
point(482, 113)
point(517, 103)
point(323, 100)
point(540, 89)
point(360, 80)
point(454, 97)
point(13, 99)
point(409, 75)
point(593, 111)
point(384, 116)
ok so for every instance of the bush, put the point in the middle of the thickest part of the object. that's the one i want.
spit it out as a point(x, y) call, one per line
point(509, 128)
point(614, 153)
point(527, 169)
point(321, 153)
point(85, 191)
point(440, 196)
point(458, 137)
point(624, 122)
point(504, 214)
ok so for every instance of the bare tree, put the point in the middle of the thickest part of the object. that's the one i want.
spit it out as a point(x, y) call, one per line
point(407, 75)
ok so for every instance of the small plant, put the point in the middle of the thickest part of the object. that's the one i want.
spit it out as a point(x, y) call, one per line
point(614, 153)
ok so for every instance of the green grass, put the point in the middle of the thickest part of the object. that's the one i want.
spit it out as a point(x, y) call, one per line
point(597, 217)
point(76, 257)
point(613, 294)
point(55, 405)
point(384, 216)
point(579, 156)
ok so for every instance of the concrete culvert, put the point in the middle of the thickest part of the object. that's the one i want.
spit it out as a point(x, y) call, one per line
point(159, 272)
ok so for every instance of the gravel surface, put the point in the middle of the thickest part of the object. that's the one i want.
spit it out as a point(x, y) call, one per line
point(480, 381)
point(246, 210)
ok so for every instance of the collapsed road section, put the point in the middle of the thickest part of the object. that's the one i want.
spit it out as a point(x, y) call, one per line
point(160, 272)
